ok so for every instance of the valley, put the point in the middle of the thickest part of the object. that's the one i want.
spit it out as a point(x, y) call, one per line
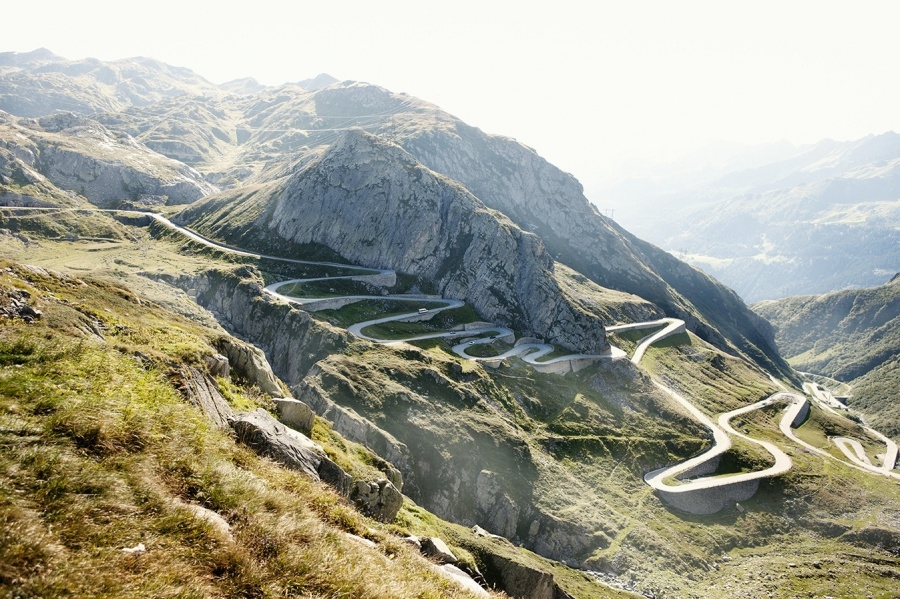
point(557, 399)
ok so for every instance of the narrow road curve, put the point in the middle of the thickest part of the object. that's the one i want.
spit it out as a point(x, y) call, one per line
point(531, 352)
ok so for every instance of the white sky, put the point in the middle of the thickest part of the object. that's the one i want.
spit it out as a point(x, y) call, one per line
point(589, 85)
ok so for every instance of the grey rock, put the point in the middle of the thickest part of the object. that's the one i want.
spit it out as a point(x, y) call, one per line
point(217, 365)
point(463, 578)
point(436, 549)
point(334, 475)
point(201, 391)
point(268, 437)
point(375, 205)
point(250, 363)
point(519, 580)
point(295, 414)
point(291, 339)
point(355, 428)
point(107, 167)
point(379, 499)
point(413, 541)
point(494, 507)
point(361, 541)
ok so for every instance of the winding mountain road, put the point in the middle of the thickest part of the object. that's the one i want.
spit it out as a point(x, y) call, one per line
point(688, 477)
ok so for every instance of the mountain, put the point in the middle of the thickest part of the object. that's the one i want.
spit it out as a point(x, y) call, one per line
point(117, 389)
point(39, 83)
point(80, 155)
point(318, 82)
point(505, 176)
point(851, 336)
point(822, 220)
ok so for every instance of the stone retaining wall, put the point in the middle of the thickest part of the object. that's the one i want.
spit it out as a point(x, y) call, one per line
point(701, 502)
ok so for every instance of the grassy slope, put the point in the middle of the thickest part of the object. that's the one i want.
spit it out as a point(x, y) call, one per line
point(852, 336)
point(98, 451)
point(648, 543)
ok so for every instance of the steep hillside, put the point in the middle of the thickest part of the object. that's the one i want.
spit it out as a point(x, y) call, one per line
point(557, 462)
point(537, 196)
point(38, 83)
point(376, 206)
point(135, 387)
point(118, 484)
point(79, 155)
point(263, 136)
point(851, 336)
point(822, 220)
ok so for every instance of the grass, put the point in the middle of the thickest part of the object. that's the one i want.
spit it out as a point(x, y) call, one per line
point(716, 381)
point(329, 288)
point(364, 310)
point(98, 451)
point(589, 437)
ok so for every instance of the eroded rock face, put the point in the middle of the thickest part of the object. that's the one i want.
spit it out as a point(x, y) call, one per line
point(372, 203)
point(267, 436)
point(290, 338)
point(494, 508)
point(250, 363)
point(201, 391)
point(81, 155)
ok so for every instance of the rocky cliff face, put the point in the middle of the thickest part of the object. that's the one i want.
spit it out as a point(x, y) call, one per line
point(375, 205)
point(540, 198)
point(290, 338)
point(453, 436)
point(80, 155)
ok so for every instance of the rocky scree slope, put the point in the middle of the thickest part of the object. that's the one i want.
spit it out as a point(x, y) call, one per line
point(376, 206)
point(852, 336)
point(107, 168)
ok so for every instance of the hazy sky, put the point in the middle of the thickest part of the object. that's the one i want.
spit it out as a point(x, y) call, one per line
point(587, 84)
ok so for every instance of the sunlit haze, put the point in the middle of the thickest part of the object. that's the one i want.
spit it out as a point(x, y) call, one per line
point(592, 86)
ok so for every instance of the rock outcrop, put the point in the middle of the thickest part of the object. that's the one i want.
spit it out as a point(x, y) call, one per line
point(295, 414)
point(249, 363)
point(290, 338)
point(379, 499)
point(81, 155)
point(512, 178)
point(375, 205)
point(201, 391)
point(268, 437)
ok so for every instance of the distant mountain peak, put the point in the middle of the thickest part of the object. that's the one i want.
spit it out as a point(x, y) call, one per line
point(29, 59)
point(244, 86)
point(318, 82)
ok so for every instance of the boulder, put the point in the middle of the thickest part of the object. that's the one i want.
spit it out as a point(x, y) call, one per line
point(295, 414)
point(436, 549)
point(466, 581)
point(270, 438)
point(250, 363)
point(379, 499)
point(217, 365)
point(518, 580)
